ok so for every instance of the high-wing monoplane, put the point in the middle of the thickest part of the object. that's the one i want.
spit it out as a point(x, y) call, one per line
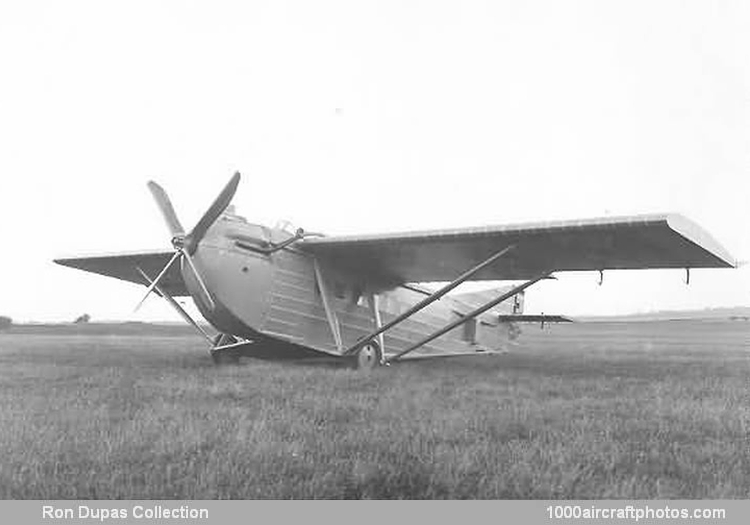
point(278, 292)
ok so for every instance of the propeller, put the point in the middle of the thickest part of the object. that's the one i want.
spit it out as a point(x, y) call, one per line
point(186, 245)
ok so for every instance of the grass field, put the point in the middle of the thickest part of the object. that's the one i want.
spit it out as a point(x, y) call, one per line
point(639, 410)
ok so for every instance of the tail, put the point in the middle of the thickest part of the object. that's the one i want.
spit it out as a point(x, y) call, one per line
point(476, 299)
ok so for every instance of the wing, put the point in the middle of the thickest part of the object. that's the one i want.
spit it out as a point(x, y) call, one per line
point(646, 241)
point(125, 266)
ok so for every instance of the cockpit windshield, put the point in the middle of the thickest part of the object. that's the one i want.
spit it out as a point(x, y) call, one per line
point(254, 236)
point(245, 234)
point(286, 226)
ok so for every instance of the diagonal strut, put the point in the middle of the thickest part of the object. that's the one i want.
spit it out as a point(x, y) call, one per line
point(470, 315)
point(429, 300)
point(175, 305)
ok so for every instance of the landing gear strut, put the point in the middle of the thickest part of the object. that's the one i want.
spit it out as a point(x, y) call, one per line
point(222, 355)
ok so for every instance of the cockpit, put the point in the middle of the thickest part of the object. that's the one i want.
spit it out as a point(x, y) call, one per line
point(286, 226)
point(256, 237)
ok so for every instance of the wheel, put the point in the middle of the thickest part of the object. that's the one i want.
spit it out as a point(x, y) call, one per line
point(369, 357)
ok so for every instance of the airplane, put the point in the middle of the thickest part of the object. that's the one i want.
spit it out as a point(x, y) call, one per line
point(284, 293)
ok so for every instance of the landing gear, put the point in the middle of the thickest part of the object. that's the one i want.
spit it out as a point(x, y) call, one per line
point(221, 356)
point(369, 357)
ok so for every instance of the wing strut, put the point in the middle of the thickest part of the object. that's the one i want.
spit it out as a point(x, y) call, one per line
point(470, 315)
point(333, 321)
point(375, 307)
point(429, 300)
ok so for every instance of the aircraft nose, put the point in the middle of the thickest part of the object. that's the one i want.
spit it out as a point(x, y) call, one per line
point(198, 283)
point(238, 283)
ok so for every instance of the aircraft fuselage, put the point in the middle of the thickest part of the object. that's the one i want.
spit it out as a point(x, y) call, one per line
point(289, 296)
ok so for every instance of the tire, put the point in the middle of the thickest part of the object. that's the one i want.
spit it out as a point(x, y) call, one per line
point(369, 357)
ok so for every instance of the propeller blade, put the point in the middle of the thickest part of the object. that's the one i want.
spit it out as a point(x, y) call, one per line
point(165, 205)
point(158, 278)
point(213, 213)
point(206, 296)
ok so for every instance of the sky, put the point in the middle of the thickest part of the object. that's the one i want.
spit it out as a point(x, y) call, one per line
point(361, 117)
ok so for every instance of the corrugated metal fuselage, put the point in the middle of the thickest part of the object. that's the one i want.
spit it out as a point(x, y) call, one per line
point(279, 296)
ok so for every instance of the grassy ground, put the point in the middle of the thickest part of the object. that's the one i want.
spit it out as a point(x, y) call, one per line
point(651, 410)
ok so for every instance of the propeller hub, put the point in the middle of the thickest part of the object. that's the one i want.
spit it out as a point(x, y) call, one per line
point(186, 245)
point(178, 242)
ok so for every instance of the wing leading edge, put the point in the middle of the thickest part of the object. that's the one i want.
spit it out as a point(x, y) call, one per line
point(635, 242)
point(125, 266)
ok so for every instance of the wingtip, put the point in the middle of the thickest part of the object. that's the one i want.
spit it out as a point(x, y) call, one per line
point(68, 262)
point(696, 234)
